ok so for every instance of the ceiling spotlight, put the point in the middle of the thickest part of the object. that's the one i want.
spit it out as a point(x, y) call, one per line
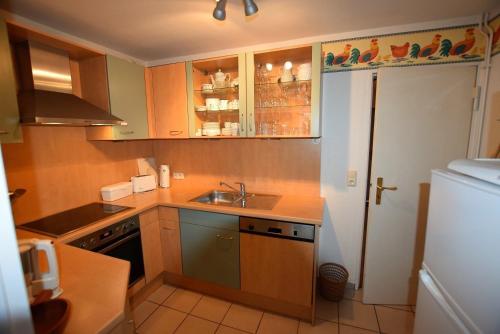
point(250, 7)
point(220, 10)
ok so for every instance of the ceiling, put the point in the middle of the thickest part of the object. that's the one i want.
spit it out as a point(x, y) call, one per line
point(157, 29)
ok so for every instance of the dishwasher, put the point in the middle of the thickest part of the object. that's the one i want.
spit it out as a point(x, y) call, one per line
point(277, 259)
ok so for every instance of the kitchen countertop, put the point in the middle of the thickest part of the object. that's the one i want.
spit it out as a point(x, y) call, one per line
point(299, 209)
point(96, 287)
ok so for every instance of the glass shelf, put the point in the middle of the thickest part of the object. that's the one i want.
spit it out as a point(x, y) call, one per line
point(285, 107)
point(289, 83)
point(218, 91)
point(218, 111)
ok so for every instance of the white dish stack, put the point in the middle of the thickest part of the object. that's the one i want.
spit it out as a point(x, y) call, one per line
point(230, 129)
point(211, 129)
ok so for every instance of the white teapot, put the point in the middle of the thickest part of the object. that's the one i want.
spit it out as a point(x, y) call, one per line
point(221, 79)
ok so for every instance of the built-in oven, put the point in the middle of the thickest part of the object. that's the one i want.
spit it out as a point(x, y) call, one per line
point(121, 240)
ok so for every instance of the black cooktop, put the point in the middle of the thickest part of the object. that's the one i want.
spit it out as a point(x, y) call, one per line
point(68, 221)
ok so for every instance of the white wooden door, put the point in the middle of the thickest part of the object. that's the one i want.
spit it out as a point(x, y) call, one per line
point(422, 122)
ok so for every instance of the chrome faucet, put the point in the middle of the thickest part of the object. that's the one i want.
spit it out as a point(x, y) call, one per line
point(242, 191)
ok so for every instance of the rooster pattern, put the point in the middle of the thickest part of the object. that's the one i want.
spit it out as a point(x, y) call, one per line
point(418, 48)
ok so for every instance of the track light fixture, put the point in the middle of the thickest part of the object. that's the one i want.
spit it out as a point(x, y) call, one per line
point(250, 7)
point(220, 9)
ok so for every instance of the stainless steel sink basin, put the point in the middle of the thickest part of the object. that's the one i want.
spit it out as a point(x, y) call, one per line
point(234, 199)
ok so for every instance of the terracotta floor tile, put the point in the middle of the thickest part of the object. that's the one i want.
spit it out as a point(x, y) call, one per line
point(163, 321)
point(161, 294)
point(326, 310)
point(344, 329)
point(193, 325)
point(142, 311)
point(277, 324)
point(394, 321)
point(228, 330)
point(242, 317)
point(211, 309)
point(351, 293)
point(182, 300)
point(399, 307)
point(320, 327)
point(358, 314)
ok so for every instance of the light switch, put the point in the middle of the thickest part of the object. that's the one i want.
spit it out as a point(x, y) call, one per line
point(352, 177)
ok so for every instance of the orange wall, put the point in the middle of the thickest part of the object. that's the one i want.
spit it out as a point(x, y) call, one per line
point(289, 166)
point(61, 169)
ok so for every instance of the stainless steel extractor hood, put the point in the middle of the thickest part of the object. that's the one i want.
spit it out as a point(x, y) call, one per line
point(46, 94)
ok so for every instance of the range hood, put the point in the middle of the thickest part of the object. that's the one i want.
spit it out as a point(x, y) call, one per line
point(46, 95)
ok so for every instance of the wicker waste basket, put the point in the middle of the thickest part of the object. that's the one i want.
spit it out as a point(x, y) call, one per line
point(332, 280)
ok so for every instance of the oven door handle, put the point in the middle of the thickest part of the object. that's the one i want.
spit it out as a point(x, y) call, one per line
point(120, 242)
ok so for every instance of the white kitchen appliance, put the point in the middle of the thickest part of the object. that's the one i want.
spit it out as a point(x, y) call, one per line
point(459, 288)
point(164, 176)
point(142, 183)
point(35, 279)
point(116, 191)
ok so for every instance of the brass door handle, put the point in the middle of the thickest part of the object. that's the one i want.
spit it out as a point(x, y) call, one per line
point(380, 188)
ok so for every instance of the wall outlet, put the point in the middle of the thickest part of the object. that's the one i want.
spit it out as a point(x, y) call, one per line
point(178, 175)
point(352, 178)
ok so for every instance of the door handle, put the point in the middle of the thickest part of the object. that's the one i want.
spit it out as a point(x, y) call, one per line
point(380, 188)
point(175, 132)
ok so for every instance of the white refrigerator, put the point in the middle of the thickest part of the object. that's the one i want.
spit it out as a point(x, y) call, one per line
point(459, 287)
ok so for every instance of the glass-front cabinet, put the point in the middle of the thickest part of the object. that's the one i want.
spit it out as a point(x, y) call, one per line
point(217, 97)
point(271, 94)
point(284, 92)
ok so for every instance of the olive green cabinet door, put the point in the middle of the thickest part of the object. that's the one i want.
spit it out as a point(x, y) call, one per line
point(127, 96)
point(10, 129)
point(211, 254)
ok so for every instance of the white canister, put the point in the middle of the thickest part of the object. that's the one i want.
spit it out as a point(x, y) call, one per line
point(164, 176)
point(304, 72)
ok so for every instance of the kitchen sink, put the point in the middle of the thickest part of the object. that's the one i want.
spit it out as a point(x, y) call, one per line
point(234, 199)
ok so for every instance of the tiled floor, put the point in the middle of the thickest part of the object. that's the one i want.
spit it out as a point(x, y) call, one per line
point(175, 310)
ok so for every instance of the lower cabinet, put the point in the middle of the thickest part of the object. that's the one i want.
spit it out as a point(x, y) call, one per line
point(277, 268)
point(151, 244)
point(210, 247)
point(170, 240)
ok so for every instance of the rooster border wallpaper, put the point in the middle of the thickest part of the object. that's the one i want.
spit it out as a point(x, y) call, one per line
point(495, 25)
point(435, 46)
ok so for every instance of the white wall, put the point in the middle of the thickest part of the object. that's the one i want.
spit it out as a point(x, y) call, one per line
point(346, 114)
point(490, 141)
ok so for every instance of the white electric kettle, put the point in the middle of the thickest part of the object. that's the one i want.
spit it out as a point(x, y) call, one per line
point(36, 281)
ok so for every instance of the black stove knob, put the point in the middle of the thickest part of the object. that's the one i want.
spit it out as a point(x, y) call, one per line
point(84, 245)
point(251, 227)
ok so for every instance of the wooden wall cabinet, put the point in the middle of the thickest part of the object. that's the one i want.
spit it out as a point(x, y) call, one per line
point(10, 129)
point(151, 244)
point(277, 268)
point(170, 239)
point(270, 106)
point(167, 101)
point(127, 100)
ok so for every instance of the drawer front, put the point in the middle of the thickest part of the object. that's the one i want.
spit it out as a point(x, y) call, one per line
point(210, 254)
point(210, 219)
point(169, 218)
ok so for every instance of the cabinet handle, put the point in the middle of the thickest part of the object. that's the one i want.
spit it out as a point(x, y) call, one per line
point(126, 132)
point(175, 132)
point(169, 229)
point(223, 238)
point(3, 132)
